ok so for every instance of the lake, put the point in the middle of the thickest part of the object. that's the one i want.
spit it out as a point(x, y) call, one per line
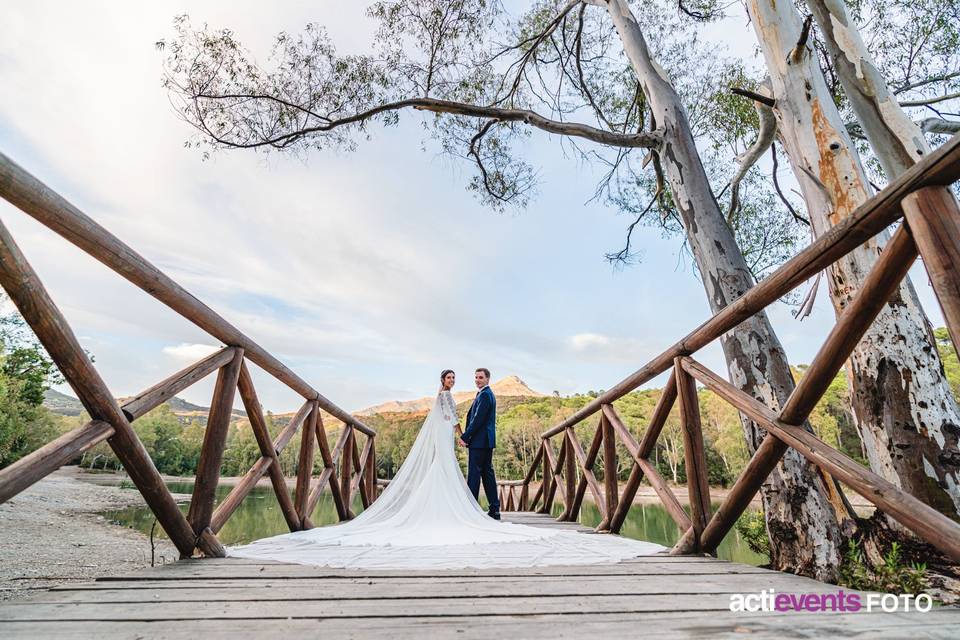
point(259, 516)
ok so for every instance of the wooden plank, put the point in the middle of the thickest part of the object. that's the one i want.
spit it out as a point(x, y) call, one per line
point(660, 624)
point(407, 607)
point(661, 566)
point(214, 440)
point(441, 588)
point(50, 457)
point(35, 305)
point(925, 521)
point(159, 393)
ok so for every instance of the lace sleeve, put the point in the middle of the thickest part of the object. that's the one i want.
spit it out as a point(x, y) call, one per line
point(449, 407)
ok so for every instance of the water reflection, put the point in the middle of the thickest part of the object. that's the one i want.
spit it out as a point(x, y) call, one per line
point(259, 516)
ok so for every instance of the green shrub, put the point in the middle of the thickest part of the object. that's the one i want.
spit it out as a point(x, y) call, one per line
point(753, 528)
point(892, 576)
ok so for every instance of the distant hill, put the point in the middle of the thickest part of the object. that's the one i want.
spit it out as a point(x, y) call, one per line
point(509, 387)
point(509, 391)
point(65, 405)
point(61, 403)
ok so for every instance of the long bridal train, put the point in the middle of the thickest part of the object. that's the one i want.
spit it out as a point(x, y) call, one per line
point(427, 518)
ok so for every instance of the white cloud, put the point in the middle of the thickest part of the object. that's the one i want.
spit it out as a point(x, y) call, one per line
point(585, 341)
point(190, 352)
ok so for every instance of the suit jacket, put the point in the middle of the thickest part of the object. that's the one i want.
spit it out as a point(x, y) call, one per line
point(481, 431)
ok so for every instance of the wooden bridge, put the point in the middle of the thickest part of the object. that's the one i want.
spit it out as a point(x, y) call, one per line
point(683, 593)
point(649, 597)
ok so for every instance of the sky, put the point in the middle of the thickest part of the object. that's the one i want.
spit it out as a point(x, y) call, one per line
point(366, 272)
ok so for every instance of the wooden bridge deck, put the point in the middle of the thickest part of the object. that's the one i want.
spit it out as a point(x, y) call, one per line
point(656, 597)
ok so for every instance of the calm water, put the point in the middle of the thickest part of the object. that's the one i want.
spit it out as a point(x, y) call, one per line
point(259, 516)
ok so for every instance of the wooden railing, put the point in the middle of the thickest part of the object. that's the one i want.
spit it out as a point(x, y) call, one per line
point(347, 469)
point(922, 198)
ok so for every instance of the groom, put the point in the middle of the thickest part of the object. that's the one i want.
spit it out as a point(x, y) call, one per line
point(480, 437)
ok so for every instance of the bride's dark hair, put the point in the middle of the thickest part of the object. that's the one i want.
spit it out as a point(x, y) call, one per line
point(444, 373)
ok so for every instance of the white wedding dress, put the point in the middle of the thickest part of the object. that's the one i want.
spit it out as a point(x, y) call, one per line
point(426, 518)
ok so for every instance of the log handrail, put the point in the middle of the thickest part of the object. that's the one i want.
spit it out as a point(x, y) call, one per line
point(111, 421)
point(930, 228)
point(52, 210)
point(942, 167)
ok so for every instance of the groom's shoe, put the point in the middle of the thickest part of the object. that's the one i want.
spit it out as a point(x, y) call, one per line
point(494, 514)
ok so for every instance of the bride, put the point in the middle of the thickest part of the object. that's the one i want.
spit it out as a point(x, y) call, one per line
point(428, 518)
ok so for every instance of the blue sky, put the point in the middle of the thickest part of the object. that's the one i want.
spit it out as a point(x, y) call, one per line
point(367, 272)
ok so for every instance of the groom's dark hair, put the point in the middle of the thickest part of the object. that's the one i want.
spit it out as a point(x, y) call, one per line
point(486, 372)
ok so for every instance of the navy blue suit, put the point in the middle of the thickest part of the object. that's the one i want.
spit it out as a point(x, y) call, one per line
point(480, 436)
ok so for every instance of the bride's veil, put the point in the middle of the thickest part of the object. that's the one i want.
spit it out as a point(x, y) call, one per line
point(427, 517)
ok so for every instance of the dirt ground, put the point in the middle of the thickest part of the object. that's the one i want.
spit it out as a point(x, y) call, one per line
point(53, 533)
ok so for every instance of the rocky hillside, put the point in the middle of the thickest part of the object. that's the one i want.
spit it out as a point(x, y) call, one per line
point(66, 405)
point(509, 387)
point(508, 390)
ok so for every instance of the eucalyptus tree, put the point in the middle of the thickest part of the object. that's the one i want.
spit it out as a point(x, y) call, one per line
point(905, 411)
point(490, 81)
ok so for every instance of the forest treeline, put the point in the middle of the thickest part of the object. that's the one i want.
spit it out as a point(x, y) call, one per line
point(174, 445)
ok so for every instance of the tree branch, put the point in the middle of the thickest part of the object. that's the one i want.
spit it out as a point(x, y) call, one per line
point(765, 137)
point(600, 136)
point(927, 101)
point(939, 125)
point(776, 186)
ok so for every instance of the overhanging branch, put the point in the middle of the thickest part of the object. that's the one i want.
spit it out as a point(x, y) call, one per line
point(610, 138)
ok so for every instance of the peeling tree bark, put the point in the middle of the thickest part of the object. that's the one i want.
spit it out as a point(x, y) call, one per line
point(800, 517)
point(903, 406)
point(895, 138)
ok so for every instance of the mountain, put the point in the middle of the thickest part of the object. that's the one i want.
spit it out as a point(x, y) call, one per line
point(65, 405)
point(61, 403)
point(509, 387)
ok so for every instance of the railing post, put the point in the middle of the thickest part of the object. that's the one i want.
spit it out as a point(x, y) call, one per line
point(934, 220)
point(694, 459)
point(611, 489)
point(214, 441)
point(547, 481)
point(251, 403)
point(35, 305)
point(346, 465)
point(305, 463)
point(371, 471)
point(884, 278)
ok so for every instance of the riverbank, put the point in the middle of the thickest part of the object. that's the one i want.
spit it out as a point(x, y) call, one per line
point(54, 533)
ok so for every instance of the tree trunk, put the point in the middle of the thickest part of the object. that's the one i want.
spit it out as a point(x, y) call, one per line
point(902, 404)
point(801, 520)
point(895, 138)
